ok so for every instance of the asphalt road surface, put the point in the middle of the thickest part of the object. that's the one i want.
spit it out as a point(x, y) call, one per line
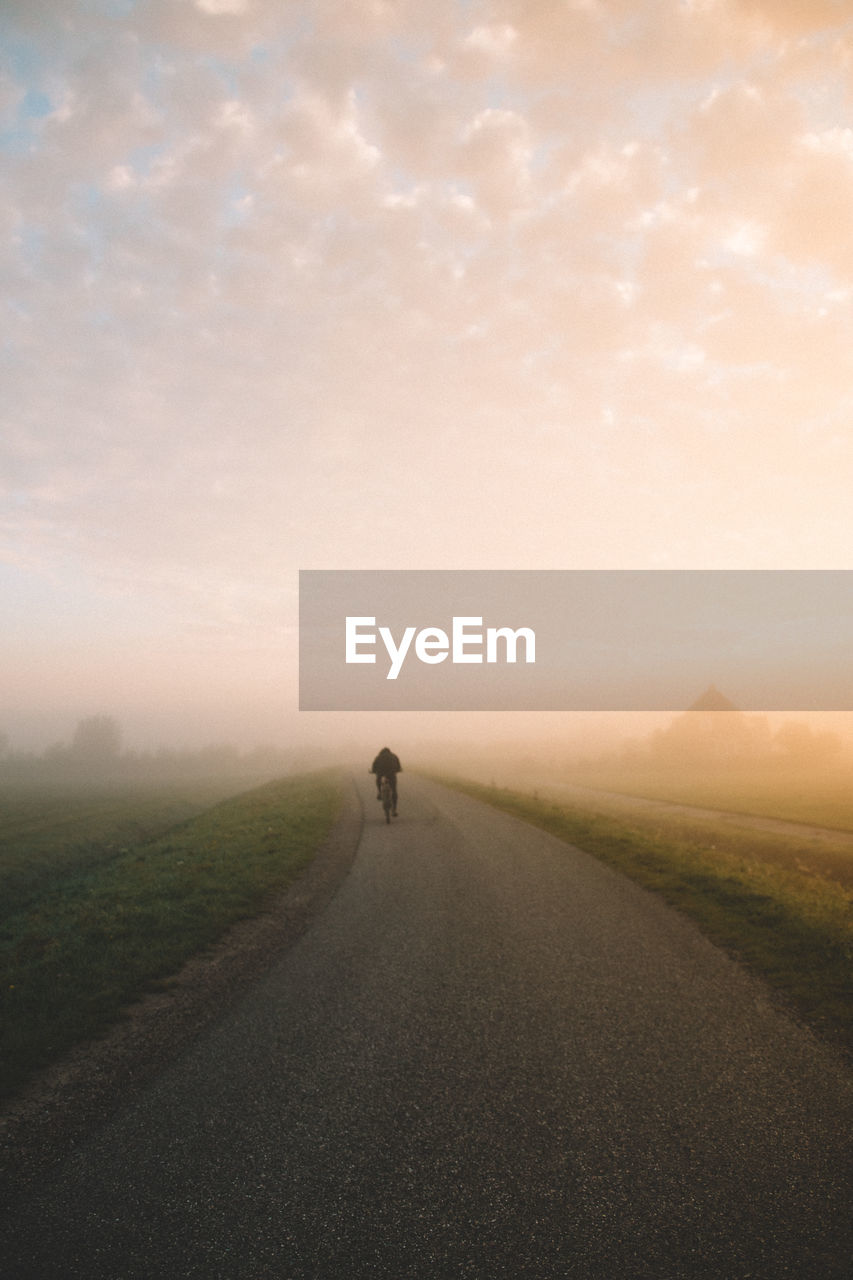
point(489, 1057)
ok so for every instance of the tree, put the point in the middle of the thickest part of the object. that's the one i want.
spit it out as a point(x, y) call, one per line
point(802, 745)
point(97, 740)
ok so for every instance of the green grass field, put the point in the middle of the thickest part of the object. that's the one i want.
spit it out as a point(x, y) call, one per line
point(778, 914)
point(49, 832)
point(105, 894)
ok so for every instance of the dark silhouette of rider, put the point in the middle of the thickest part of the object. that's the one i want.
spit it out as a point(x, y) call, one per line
point(387, 765)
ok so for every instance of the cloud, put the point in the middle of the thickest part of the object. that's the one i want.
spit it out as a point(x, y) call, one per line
point(744, 128)
point(790, 17)
point(496, 155)
point(216, 7)
point(494, 40)
point(325, 146)
point(818, 205)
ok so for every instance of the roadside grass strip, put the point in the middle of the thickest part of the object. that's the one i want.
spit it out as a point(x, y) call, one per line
point(794, 928)
point(96, 940)
point(817, 798)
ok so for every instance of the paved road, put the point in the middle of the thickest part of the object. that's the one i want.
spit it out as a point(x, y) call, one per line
point(490, 1057)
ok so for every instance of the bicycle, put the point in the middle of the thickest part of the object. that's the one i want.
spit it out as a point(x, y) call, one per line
point(386, 795)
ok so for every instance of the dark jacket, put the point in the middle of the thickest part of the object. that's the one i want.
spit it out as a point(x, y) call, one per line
point(386, 764)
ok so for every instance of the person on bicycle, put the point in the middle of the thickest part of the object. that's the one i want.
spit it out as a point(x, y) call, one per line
point(387, 765)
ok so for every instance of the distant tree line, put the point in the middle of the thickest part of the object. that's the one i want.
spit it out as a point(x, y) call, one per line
point(700, 737)
point(96, 753)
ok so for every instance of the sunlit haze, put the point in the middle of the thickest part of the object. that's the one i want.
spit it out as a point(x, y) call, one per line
point(384, 284)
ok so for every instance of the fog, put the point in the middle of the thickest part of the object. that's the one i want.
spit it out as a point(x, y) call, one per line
point(511, 749)
point(347, 736)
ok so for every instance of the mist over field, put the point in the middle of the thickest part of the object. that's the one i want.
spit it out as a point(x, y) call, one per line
point(630, 752)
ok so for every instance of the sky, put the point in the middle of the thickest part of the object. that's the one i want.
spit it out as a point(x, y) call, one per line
point(511, 284)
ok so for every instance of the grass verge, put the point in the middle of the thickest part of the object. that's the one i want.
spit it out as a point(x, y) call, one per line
point(794, 929)
point(97, 940)
point(817, 797)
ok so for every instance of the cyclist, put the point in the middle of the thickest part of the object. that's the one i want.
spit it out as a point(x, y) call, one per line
point(387, 765)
